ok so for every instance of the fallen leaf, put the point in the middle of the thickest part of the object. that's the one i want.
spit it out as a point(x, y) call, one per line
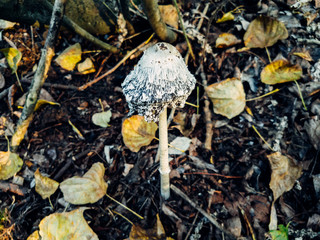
point(87, 189)
point(280, 71)
point(304, 55)
point(155, 233)
point(226, 17)
point(4, 24)
point(42, 102)
point(228, 97)
point(86, 67)
point(312, 127)
point(137, 132)
point(179, 145)
point(45, 186)
point(10, 164)
point(169, 15)
point(181, 119)
point(264, 32)
point(284, 173)
point(67, 225)
point(34, 236)
point(102, 119)
point(13, 57)
point(226, 40)
point(69, 58)
point(2, 81)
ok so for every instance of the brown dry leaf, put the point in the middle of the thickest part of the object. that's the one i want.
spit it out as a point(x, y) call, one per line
point(228, 97)
point(137, 132)
point(226, 40)
point(69, 58)
point(181, 119)
point(34, 236)
point(285, 171)
point(87, 189)
point(45, 186)
point(10, 164)
point(305, 55)
point(264, 32)
point(86, 66)
point(169, 15)
point(155, 233)
point(280, 71)
point(67, 225)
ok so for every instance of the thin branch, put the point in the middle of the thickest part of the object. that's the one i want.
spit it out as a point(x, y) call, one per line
point(203, 212)
point(40, 75)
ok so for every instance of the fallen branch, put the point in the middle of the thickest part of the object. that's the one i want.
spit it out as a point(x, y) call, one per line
point(203, 212)
point(39, 77)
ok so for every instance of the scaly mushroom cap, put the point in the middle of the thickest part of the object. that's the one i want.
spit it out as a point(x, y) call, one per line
point(160, 79)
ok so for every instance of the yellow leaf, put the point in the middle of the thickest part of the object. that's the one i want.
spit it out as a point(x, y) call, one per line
point(264, 32)
point(169, 15)
point(228, 97)
point(280, 71)
point(226, 40)
point(86, 67)
point(13, 57)
point(34, 236)
point(67, 226)
point(10, 164)
point(44, 185)
point(69, 58)
point(226, 17)
point(42, 102)
point(285, 171)
point(137, 132)
point(87, 189)
point(305, 55)
point(155, 233)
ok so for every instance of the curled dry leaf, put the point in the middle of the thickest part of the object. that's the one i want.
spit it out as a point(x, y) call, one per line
point(226, 17)
point(304, 55)
point(226, 40)
point(102, 119)
point(10, 164)
point(86, 67)
point(285, 171)
point(67, 225)
point(155, 233)
point(137, 132)
point(280, 71)
point(44, 185)
point(87, 189)
point(69, 58)
point(264, 32)
point(182, 121)
point(228, 97)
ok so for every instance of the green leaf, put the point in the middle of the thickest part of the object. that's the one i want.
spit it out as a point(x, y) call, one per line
point(281, 233)
point(13, 57)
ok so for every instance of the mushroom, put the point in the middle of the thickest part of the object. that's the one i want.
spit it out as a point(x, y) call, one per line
point(161, 79)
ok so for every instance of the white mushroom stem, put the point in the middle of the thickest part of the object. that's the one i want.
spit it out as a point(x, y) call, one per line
point(164, 162)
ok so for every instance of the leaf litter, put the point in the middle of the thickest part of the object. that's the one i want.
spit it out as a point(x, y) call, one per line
point(231, 181)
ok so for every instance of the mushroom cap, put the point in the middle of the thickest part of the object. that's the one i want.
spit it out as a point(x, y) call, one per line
point(160, 79)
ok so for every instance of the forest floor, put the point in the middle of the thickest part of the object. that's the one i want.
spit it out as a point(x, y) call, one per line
point(247, 183)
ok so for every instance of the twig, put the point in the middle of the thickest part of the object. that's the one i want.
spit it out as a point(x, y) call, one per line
point(40, 75)
point(89, 84)
point(203, 212)
point(53, 85)
point(14, 188)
